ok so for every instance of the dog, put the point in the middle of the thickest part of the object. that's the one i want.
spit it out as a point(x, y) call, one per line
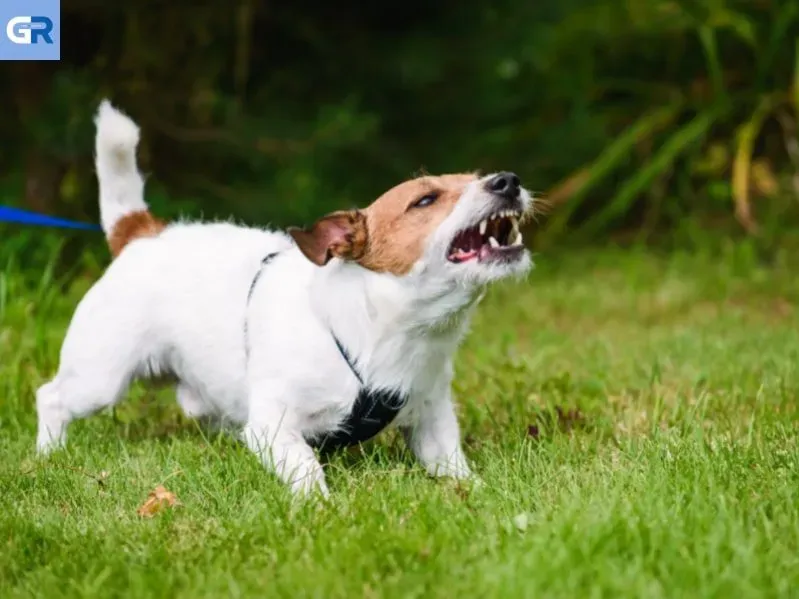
point(310, 338)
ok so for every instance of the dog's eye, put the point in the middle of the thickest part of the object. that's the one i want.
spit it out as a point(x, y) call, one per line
point(425, 200)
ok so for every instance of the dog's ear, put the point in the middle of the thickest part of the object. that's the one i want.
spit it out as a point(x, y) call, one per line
point(338, 235)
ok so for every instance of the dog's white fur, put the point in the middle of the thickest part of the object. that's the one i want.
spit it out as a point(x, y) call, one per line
point(177, 303)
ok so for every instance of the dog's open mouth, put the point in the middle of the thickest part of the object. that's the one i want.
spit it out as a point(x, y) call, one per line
point(497, 236)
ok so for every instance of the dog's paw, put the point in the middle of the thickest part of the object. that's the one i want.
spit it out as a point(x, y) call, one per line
point(310, 486)
point(456, 468)
point(47, 443)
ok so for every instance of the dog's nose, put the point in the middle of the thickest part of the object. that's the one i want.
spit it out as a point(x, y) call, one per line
point(504, 184)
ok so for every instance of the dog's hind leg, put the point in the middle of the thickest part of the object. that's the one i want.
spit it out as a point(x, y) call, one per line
point(72, 395)
point(52, 419)
point(101, 355)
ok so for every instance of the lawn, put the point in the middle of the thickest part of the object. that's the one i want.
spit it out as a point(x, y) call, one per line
point(633, 416)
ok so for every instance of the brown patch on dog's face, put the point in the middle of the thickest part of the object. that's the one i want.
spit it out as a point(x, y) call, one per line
point(133, 226)
point(390, 234)
point(402, 220)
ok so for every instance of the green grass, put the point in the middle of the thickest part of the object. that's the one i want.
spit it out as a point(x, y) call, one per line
point(672, 472)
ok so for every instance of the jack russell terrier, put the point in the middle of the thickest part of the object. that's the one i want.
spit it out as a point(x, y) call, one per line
point(315, 338)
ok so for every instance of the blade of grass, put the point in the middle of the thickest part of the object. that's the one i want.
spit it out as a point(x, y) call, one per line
point(3, 295)
point(796, 78)
point(779, 28)
point(707, 36)
point(48, 274)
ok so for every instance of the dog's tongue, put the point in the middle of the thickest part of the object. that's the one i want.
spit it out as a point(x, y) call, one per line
point(463, 255)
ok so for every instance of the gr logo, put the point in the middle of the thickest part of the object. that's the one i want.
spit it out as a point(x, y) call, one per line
point(30, 30)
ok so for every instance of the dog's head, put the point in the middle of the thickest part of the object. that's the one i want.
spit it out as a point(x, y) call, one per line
point(461, 228)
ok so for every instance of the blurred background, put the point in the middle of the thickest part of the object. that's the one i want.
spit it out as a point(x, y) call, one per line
point(640, 120)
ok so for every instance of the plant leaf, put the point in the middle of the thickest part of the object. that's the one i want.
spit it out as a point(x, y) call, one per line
point(738, 24)
point(663, 159)
point(583, 179)
point(742, 163)
point(776, 42)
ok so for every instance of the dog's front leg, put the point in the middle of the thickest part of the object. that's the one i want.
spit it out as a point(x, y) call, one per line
point(270, 433)
point(432, 431)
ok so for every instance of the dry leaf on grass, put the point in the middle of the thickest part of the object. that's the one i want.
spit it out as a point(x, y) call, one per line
point(158, 499)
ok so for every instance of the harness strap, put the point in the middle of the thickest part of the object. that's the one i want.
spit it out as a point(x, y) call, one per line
point(267, 259)
point(346, 355)
point(373, 410)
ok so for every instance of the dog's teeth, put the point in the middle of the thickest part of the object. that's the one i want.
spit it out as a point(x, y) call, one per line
point(483, 226)
point(514, 221)
point(493, 242)
point(518, 240)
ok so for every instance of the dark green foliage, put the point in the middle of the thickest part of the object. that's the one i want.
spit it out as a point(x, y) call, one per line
point(629, 114)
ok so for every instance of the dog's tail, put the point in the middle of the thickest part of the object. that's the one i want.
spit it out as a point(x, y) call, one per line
point(123, 212)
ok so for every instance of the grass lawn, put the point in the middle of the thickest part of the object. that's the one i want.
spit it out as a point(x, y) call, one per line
point(633, 417)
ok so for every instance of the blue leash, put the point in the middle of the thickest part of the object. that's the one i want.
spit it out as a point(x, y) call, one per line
point(25, 217)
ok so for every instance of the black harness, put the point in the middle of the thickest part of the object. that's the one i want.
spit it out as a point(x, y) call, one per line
point(373, 411)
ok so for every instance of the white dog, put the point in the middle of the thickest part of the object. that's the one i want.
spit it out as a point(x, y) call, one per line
point(309, 338)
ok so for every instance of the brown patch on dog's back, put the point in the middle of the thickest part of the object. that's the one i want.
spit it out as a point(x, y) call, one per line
point(131, 227)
